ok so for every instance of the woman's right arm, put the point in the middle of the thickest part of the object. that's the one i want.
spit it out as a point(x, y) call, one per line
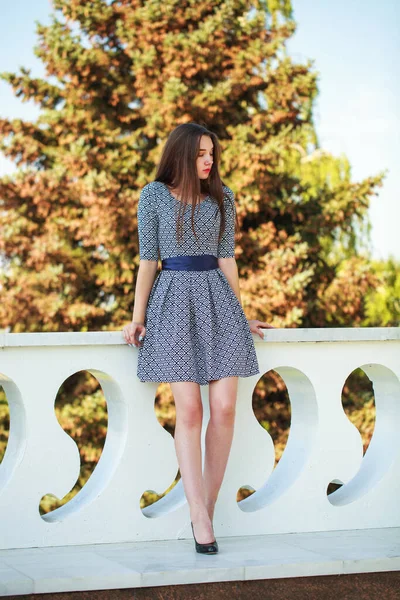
point(148, 253)
point(144, 282)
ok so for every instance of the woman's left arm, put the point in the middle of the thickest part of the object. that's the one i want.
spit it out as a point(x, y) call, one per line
point(229, 267)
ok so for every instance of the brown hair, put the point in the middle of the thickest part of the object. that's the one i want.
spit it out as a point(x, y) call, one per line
point(177, 169)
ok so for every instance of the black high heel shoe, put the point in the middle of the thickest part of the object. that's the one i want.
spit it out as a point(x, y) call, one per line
point(210, 548)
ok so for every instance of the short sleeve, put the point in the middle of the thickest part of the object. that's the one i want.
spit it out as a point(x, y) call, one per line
point(226, 246)
point(147, 219)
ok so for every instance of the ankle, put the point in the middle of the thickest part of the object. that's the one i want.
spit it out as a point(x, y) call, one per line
point(210, 506)
point(199, 514)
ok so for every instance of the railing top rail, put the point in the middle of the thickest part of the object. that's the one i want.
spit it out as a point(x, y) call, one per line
point(114, 338)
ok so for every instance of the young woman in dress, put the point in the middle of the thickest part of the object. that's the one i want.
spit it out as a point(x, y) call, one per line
point(188, 322)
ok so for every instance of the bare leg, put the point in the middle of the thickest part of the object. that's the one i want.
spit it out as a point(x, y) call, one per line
point(219, 435)
point(189, 417)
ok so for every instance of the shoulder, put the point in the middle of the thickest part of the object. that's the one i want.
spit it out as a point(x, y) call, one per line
point(150, 192)
point(150, 188)
point(228, 193)
point(156, 188)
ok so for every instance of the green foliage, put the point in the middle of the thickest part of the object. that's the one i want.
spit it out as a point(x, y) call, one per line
point(383, 302)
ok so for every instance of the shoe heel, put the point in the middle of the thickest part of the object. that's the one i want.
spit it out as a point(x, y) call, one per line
point(210, 548)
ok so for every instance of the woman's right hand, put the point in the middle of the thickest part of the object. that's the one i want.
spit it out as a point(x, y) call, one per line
point(134, 333)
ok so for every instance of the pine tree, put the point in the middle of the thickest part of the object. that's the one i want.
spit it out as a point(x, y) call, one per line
point(120, 75)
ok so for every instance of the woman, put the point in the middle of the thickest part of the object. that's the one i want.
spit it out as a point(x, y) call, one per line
point(188, 322)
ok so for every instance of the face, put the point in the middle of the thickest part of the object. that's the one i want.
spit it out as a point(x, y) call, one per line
point(205, 158)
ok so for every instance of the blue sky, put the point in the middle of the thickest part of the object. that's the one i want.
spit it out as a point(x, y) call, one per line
point(356, 49)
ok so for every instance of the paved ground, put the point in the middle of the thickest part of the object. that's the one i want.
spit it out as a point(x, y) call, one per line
point(296, 565)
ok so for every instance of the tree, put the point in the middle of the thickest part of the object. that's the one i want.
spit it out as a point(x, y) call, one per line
point(120, 76)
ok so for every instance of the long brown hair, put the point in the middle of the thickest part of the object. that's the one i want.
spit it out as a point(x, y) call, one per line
point(177, 169)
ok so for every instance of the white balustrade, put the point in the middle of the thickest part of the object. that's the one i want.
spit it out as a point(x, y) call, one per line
point(138, 455)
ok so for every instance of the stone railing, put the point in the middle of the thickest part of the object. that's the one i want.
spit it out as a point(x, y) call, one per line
point(138, 455)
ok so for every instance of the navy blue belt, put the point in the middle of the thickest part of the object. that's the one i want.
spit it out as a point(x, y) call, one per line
point(203, 262)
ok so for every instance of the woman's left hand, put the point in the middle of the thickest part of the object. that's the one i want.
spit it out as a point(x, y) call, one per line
point(256, 326)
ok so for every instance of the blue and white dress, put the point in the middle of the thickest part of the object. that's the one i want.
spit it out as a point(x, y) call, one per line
point(196, 329)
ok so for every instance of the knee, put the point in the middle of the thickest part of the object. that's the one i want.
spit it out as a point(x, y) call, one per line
point(190, 416)
point(223, 413)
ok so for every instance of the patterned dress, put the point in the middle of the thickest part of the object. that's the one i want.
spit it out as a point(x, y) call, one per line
point(196, 329)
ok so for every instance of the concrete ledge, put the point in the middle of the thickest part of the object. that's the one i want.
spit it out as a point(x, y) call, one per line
point(112, 338)
point(175, 563)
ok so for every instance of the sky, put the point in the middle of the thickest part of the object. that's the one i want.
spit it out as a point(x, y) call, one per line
point(355, 47)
